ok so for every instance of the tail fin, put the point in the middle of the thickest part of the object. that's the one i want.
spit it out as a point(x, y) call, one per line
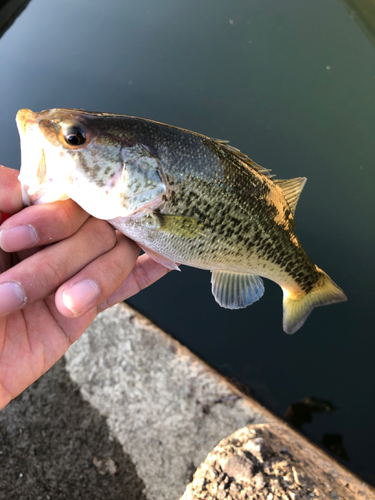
point(297, 306)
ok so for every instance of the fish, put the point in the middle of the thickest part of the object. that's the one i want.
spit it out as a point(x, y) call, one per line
point(183, 197)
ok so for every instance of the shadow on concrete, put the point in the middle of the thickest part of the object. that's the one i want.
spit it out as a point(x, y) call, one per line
point(50, 441)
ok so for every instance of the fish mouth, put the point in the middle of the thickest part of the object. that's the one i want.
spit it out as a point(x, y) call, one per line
point(25, 119)
point(30, 153)
point(37, 184)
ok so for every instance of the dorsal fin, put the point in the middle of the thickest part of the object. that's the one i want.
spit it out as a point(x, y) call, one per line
point(291, 189)
point(242, 157)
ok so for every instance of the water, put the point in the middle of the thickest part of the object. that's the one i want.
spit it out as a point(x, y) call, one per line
point(291, 84)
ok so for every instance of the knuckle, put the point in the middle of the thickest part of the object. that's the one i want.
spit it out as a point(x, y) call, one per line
point(57, 220)
point(141, 276)
point(52, 274)
point(66, 218)
point(121, 260)
point(118, 267)
point(102, 233)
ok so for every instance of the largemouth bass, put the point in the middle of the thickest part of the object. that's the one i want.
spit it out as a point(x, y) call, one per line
point(183, 197)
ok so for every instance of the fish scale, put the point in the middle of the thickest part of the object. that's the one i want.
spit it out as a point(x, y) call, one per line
point(183, 197)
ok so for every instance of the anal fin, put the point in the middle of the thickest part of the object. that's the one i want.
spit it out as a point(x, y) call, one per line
point(236, 290)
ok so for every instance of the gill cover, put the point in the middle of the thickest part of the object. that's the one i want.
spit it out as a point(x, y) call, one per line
point(65, 156)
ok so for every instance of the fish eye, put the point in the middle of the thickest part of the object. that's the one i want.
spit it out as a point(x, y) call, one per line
point(75, 136)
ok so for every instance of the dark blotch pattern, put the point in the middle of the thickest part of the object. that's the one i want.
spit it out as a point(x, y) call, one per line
point(232, 199)
point(245, 222)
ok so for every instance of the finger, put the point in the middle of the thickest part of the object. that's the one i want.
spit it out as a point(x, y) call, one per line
point(98, 280)
point(41, 225)
point(145, 272)
point(38, 276)
point(10, 191)
point(5, 261)
point(33, 347)
point(4, 217)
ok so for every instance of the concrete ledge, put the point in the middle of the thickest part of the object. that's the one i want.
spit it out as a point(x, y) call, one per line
point(130, 414)
point(168, 409)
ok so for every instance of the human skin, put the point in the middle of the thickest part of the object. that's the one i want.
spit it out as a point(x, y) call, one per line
point(59, 268)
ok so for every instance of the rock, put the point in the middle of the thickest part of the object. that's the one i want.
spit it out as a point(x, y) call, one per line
point(238, 467)
point(106, 466)
point(261, 462)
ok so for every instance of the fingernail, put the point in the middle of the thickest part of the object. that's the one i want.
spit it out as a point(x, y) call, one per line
point(18, 237)
point(80, 296)
point(12, 297)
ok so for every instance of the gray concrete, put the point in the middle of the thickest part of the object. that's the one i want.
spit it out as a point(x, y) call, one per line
point(50, 440)
point(166, 407)
point(129, 414)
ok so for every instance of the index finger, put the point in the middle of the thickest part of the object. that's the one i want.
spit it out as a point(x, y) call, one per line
point(37, 225)
point(41, 225)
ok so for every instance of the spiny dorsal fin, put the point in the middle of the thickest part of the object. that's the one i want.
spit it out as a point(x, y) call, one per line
point(291, 189)
point(236, 290)
point(242, 157)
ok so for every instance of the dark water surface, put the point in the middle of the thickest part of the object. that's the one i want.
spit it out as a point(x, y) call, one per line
point(291, 84)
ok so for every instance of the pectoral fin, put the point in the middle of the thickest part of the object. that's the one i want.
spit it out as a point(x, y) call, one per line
point(236, 290)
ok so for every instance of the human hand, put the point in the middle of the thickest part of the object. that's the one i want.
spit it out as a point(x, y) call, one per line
point(59, 267)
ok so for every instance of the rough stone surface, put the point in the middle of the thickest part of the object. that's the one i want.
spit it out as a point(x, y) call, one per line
point(264, 462)
point(165, 406)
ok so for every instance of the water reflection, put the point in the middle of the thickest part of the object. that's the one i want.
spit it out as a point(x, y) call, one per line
point(260, 81)
point(302, 412)
point(363, 12)
point(9, 11)
point(333, 442)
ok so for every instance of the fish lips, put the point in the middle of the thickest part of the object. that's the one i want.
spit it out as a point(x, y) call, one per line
point(25, 119)
point(35, 183)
